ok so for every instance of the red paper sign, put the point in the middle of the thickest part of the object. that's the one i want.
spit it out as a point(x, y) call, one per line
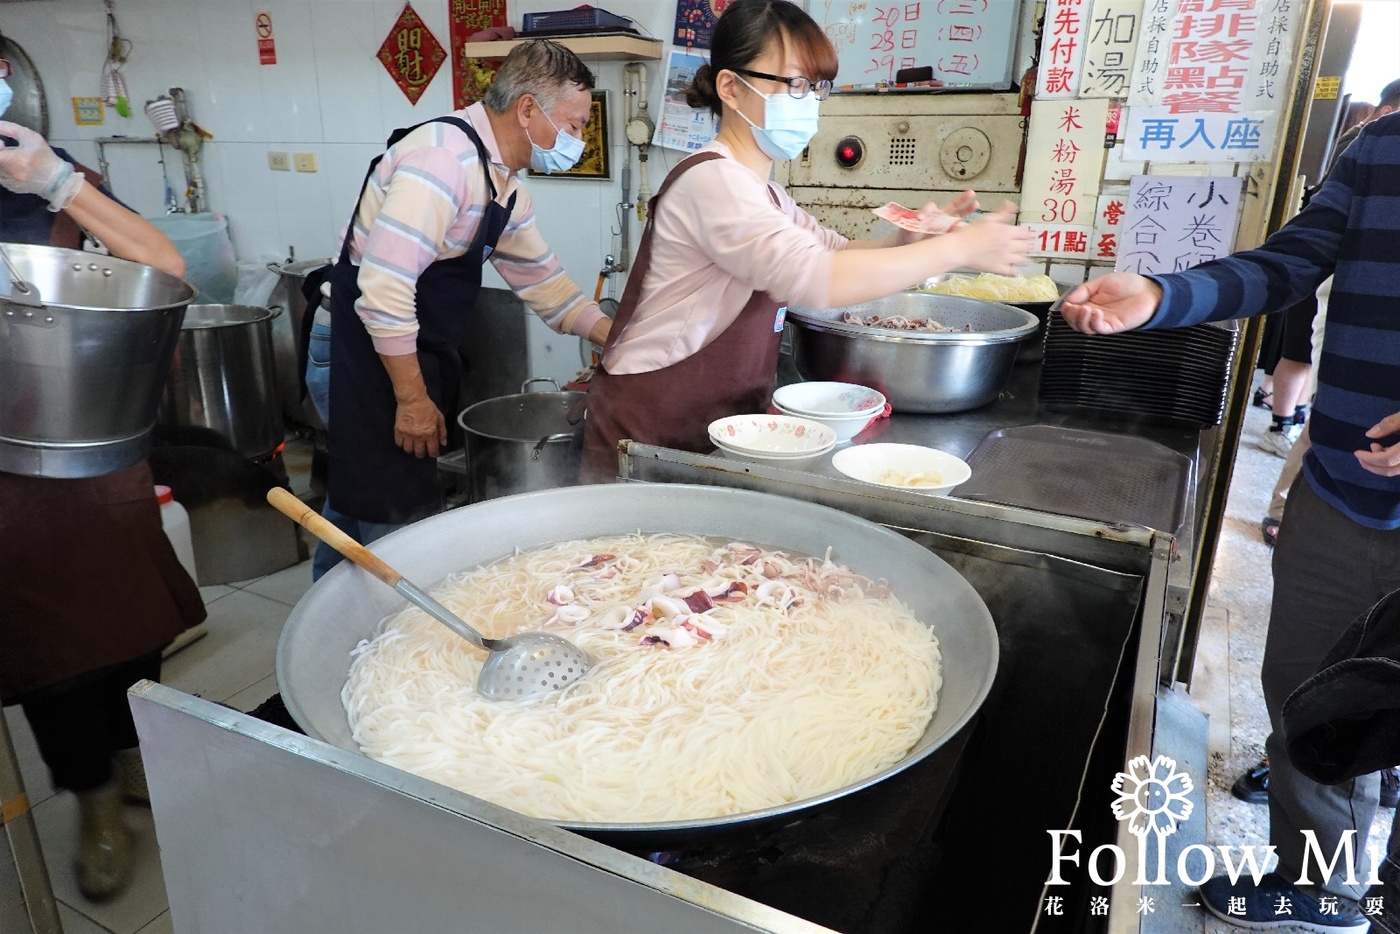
point(471, 76)
point(411, 54)
point(267, 45)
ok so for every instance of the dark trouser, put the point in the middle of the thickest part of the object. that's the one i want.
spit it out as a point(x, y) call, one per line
point(1327, 571)
point(1389, 888)
point(78, 724)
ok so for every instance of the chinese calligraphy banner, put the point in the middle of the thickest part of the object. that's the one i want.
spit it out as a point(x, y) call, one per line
point(411, 54)
point(471, 76)
point(967, 43)
point(1215, 56)
point(1110, 42)
point(1062, 49)
point(1176, 222)
point(1064, 165)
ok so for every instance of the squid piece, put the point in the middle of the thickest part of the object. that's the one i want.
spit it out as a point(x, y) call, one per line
point(596, 561)
point(665, 607)
point(640, 615)
point(560, 595)
point(677, 638)
point(569, 615)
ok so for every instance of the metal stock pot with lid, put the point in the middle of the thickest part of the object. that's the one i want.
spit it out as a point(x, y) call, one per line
point(520, 443)
point(85, 347)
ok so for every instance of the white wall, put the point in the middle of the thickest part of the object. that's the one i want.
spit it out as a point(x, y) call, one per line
point(327, 95)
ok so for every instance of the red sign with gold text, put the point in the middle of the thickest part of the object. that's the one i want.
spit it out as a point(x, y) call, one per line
point(471, 76)
point(411, 54)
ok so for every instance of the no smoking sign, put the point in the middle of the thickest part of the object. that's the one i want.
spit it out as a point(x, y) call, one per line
point(267, 45)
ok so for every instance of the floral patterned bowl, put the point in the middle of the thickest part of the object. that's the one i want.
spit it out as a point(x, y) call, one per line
point(829, 400)
point(772, 437)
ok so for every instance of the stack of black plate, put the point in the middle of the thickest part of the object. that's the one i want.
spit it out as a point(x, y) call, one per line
point(1172, 377)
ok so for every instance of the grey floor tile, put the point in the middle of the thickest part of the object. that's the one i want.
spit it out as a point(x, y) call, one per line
point(32, 770)
point(249, 698)
point(74, 922)
point(238, 652)
point(143, 900)
point(161, 925)
point(286, 586)
point(213, 592)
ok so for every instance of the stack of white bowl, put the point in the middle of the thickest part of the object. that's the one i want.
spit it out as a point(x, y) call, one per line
point(845, 408)
point(776, 440)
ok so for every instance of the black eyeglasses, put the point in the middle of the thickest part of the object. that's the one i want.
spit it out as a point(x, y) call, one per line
point(797, 86)
point(4, 68)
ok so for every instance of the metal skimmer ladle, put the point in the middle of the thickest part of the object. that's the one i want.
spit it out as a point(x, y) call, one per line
point(523, 666)
point(21, 292)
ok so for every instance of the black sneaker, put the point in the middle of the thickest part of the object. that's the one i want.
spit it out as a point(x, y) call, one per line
point(1253, 786)
point(1275, 902)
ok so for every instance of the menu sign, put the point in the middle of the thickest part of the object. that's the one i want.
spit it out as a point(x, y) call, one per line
point(1064, 165)
point(1062, 49)
point(1176, 222)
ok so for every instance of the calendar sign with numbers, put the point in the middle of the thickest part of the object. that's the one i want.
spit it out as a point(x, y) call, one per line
point(967, 43)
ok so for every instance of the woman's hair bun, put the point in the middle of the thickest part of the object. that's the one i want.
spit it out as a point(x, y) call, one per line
point(701, 93)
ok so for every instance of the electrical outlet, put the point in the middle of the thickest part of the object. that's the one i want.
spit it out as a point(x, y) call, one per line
point(305, 161)
point(279, 162)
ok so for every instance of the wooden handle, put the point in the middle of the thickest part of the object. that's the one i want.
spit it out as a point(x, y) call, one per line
point(302, 514)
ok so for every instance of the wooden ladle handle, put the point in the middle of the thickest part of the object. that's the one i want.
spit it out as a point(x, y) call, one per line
point(302, 514)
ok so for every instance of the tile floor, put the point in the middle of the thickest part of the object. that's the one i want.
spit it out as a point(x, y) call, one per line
point(234, 665)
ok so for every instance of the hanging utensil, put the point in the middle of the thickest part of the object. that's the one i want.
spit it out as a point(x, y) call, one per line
point(518, 667)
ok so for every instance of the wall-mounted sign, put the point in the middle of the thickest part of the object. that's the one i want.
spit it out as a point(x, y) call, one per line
point(411, 54)
point(967, 43)
point(1062, 49)
point(87, 111)
point(1064, 165)
point(471, 76)
point(1328, 87)
point(1109, 45)
point(1175, 222)
point(267, 43)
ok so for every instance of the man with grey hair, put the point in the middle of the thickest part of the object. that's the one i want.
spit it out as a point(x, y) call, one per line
point(440, 201)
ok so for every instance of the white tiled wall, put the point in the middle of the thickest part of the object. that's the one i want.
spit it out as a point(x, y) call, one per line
point(327, 95)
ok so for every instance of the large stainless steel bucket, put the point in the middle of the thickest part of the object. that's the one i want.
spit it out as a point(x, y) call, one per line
point(81, 370)
point(223, 378)
point(345, 606)
point(286, 331)
point(950, 371)
point(519, 443)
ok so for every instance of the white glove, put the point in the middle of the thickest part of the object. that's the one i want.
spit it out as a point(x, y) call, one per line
point(32, 168)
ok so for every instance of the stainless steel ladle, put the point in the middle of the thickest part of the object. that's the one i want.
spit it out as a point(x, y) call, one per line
point(517, 667)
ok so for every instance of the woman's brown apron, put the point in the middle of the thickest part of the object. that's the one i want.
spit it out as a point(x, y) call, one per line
point(87, 577)
point(672, 407)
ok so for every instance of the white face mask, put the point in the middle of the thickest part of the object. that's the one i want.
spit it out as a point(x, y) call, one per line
point(560, 157)
point(7, 94)
point(789, 123)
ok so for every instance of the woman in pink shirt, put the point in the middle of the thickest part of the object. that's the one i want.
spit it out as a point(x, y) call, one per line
point(725, 249)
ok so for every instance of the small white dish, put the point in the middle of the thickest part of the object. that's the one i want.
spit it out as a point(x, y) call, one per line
point(903, 466)
point(846, 426)
point(772, 435)
point(829, 400)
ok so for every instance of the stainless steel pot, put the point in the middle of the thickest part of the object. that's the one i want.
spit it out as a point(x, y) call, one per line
point(286, 331)
point(83, 359)
point(222, 377)
point(313, 653)
point(520, 443)
point(918, 372)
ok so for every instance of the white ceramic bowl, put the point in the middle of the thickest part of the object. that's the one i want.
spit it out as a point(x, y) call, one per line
point(772, 435)
point(846, 427)
point(829, 400)
point(896, 465)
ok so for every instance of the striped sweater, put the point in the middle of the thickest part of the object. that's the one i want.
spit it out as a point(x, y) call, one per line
point(1351, 230)
point(424, 203)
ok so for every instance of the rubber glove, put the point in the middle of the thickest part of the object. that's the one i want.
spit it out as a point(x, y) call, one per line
point(32, 168)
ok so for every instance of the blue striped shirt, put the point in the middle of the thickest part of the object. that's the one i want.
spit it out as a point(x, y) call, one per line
point(1350, 230)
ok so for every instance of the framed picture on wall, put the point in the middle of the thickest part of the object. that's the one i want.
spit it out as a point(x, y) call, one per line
point(596, 161)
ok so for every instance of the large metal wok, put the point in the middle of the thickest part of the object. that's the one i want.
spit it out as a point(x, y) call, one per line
point(313, 655)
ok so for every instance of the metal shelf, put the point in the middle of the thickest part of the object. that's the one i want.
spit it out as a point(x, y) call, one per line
point(597, 48)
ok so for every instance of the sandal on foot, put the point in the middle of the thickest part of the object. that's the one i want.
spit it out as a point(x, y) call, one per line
point(1263, 399)
point(1270, 529)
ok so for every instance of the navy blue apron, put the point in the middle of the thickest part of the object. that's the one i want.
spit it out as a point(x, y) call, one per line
point(371, 478)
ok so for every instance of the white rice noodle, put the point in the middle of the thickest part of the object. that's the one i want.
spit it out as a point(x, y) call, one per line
point(760, 704)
